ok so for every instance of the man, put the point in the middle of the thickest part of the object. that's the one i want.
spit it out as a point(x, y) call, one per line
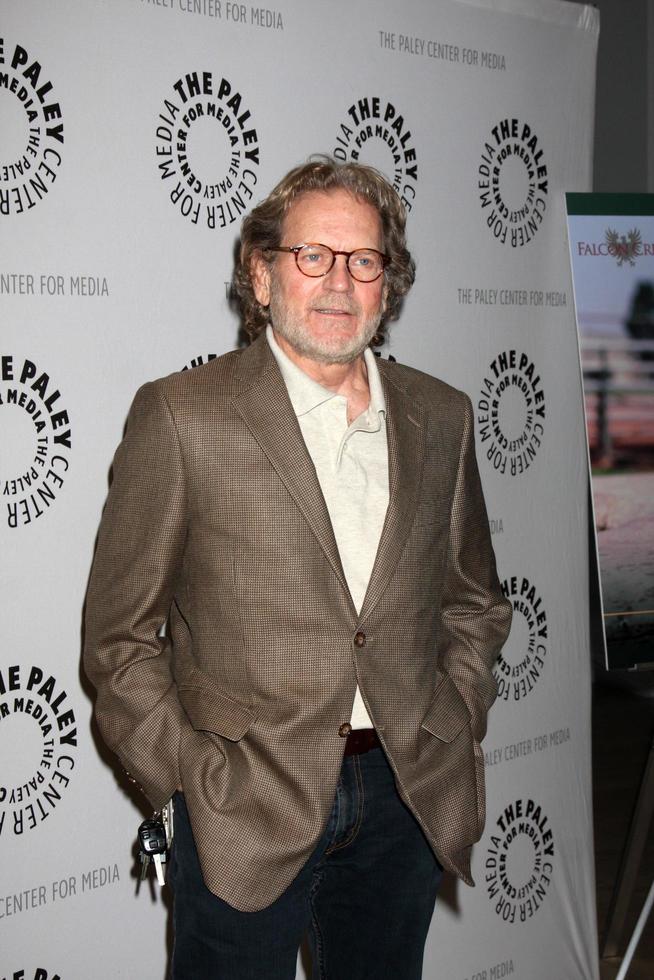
point(309, 521)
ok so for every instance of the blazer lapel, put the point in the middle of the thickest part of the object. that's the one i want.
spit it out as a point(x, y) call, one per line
point(405, 430)
point(266, 409)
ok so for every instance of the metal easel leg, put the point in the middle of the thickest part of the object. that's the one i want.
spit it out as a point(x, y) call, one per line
point(637, 933)
point(633, 853)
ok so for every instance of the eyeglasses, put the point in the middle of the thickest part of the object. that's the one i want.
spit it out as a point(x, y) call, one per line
point(315, 260)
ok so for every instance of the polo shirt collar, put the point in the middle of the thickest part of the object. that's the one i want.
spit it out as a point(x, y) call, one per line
point(306, 394)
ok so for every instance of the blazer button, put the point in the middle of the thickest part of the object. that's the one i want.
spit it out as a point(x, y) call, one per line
point(345, 729)
point(359, 639)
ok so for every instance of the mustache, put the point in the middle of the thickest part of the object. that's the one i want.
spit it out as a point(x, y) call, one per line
point(332, 303)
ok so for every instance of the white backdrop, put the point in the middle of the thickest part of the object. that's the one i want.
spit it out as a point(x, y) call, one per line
point(135, 134)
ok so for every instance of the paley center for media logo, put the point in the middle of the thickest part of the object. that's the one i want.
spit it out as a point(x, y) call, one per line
point(40, 973)
point(207, 149)
point(39, 746)
point(376, 132)
point(513, 182)
point(36, 434)
point(519, 861)
point(511, 412)
point(32, 130)
point(199, 360)
point(520, 664)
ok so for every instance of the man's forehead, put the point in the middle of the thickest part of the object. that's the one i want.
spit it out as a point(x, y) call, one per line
point(338, 204)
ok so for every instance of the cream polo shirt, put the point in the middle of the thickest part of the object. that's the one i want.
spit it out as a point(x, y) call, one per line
point(351, 463)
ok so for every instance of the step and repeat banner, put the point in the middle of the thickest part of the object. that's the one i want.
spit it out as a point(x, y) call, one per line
point(135, 136)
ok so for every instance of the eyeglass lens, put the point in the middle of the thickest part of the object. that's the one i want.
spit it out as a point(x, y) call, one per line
point(364, 264)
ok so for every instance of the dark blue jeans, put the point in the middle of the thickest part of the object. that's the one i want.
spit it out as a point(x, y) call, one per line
point(365, 896)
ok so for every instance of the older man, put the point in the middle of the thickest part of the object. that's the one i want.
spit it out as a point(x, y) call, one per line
point(309, 521)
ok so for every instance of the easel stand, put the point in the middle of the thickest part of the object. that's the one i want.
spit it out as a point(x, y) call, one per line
point(623, 892)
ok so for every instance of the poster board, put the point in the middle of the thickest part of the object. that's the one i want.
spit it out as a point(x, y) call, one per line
point(612, 252)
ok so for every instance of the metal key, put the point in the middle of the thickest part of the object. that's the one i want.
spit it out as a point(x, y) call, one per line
point(167, 819)
point(158, 866)
point(145, 864)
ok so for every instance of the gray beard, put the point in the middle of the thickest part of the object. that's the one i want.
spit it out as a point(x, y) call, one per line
point(321, 351)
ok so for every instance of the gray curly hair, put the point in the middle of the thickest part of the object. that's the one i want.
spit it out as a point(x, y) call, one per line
point(262, 229)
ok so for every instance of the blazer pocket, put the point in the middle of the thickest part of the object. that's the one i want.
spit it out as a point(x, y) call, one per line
point(209, 710)
point(447, 714)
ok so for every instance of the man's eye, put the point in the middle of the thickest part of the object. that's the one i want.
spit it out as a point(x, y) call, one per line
point(312, 256)
point(363, 260)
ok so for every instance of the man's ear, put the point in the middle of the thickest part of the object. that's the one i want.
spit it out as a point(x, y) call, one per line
point(260, 273)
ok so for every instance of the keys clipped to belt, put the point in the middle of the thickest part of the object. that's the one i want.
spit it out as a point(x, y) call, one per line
point(155, 838)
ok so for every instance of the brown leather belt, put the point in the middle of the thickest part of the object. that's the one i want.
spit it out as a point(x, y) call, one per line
point(361, 740)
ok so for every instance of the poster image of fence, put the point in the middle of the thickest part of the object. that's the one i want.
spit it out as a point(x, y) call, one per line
point(612, 251)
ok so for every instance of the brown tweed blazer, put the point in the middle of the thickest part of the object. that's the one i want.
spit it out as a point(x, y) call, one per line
point(215, 522)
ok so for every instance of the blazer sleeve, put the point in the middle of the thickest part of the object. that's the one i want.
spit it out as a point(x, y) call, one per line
point(476, 618)
point(137, 563)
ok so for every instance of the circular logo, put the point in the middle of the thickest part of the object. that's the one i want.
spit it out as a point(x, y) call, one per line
point(376, 132)
point(208, 149)
point(28, 974)
point(511, 412)
point(522, 659)
point(519, 861)
point(39, 734)
point(36, 440)
point(513, 182)
point(200, 359)
point(32, 130)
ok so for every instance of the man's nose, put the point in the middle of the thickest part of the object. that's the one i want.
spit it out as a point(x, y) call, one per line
point(339, 277)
